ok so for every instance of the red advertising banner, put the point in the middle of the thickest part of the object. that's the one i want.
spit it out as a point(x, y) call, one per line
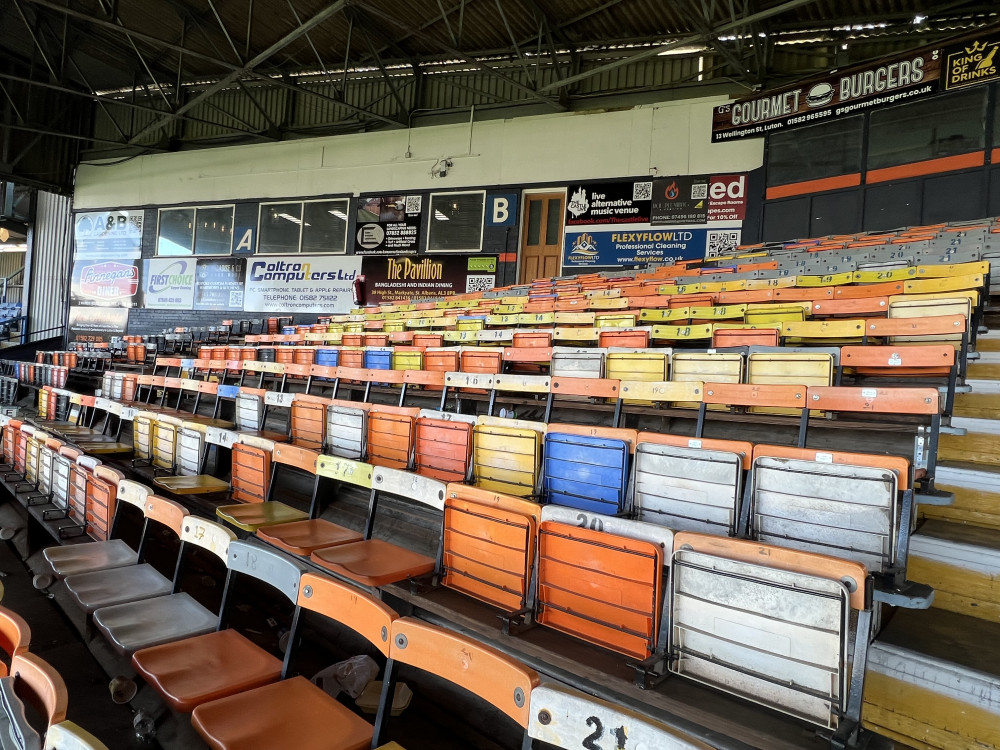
point(105, 283)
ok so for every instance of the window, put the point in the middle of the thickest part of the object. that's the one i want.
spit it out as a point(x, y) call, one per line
point(303, 227)
point(176, 233)
point(930, 129)
point(456, 222)
point(205, 230)
point(812, 153)
point(213, 231)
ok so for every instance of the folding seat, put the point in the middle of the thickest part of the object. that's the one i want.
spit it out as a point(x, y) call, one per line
point(582, 557)
point(501, 681)
point(705, 367)
point(390, 435)
point(31, 449)
point(346, 429)
point(689, 484)
point(568, 719)
point(255, 506)
point(15, 636)
point(647, 364)
point(143, 436)
point(583, 390)
point(575, 336)
point(375, 562)
point(506, 455)
point(770, 625)
point(586, 471)
point(100, 499)
point(293, 712)
point(938, 364)
point(57, 488)
point(176, 615)
point(442, 445)
point(488, 548)
point(193, 441)
point(307, 421)
point(128, 581)
point(851, 307)
point(11, 429)
point(760, 314)
point(799, 498)
point(163, 444)
point(809, 366)
point(33, 683)
point(202, 668)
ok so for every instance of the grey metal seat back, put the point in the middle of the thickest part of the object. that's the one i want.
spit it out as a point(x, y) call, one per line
point(345, 431)
point(687, 489)
point(846, 511)
point(274, 568)
point(775, 637)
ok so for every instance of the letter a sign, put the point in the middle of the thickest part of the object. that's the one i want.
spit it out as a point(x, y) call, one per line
point(244, 240)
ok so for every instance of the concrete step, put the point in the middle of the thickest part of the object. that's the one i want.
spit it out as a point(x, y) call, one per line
point(980, 444)
point(978, 405)
point(962, 564)
point(976, 491)
point(933, 681)
point(984, 370)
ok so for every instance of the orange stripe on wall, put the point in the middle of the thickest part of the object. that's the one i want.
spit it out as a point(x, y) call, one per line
point(931, 166)
point(507, 257)
point(814, 186)
point(995, 156)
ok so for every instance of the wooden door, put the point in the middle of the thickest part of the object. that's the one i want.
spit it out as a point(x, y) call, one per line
point(541, 242)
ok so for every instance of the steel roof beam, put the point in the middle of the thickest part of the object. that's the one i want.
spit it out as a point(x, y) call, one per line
point(682, 42)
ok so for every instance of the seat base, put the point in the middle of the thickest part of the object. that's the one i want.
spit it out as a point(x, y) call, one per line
point(305, 537)
point(205, 668)
point(373, 562)
point(251, 516)
point(288, 714)
point(85, 558)
point(199, 484)
point(103, 588)
point(150, 622)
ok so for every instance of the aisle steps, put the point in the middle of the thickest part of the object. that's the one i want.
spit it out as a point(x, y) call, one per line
point(933, 682)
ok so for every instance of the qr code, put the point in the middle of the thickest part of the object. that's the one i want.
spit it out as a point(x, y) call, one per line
point(699, 191)
point(480, 283)
point(721, 242)
point(236, 299)
point(413, 204)
point(642, 191)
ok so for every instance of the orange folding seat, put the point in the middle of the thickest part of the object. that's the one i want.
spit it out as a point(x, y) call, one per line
point(375, 562)
point(15, 636)
point(391, 435)
point(501, 681)
point(305, 536)
point(442, 445)
point(489, 545)
point(578, 566)
point(294, 713)
point(308, 417)
point(206, 667)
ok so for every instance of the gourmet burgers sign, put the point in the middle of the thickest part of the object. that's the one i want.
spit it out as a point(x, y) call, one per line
point(844, 93)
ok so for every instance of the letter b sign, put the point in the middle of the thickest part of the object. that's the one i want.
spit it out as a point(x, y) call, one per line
point(501, 209)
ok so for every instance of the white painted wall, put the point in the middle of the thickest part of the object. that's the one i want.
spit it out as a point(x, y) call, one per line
point(667, 138)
